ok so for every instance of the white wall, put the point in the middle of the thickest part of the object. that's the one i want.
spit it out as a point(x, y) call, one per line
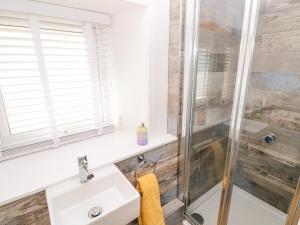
point(158, 14)
point(139, 40)
point(130, 54)
point(66, 12)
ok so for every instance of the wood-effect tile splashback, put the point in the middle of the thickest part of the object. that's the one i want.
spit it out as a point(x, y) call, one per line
point(175, 81)
point(176, 51)
point(166, 159)
point(31, 210)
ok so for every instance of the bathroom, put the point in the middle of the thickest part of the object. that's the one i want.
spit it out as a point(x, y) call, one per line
point(149, 112)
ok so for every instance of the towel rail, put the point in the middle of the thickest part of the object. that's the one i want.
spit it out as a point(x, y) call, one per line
point(143, 161)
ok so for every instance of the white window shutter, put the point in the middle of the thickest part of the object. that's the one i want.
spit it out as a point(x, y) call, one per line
point(55, 83)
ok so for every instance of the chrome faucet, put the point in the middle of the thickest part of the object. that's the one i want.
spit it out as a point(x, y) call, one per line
point(84, 174)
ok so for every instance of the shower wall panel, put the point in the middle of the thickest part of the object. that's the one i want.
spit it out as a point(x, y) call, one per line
point(271, 171)
point(208, 159)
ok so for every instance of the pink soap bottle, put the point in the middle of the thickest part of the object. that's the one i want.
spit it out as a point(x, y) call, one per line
point(142, 135)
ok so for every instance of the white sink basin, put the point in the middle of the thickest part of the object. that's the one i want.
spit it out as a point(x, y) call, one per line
point(70, 201)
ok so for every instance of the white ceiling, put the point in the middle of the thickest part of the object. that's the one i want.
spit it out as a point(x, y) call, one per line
point(103, 6)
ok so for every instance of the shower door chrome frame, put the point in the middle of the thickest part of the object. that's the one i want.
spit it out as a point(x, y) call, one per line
point(190, 73)
point(294, 211)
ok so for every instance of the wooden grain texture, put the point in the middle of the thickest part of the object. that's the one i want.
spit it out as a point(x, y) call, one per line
point(175, 73)
point(175, 80)
point(207, 160)
point(166, 159)
point(173, 213)
point(31, 210)
point(271, 171)
point(166, 172)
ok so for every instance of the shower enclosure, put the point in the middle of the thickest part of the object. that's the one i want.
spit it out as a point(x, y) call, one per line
point(242, 112)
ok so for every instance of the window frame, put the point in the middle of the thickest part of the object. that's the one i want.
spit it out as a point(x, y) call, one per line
point(10, 141)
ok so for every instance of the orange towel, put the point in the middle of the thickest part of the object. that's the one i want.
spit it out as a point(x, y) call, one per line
point(151, 212)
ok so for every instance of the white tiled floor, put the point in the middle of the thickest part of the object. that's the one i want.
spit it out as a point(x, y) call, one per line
point(245, 209)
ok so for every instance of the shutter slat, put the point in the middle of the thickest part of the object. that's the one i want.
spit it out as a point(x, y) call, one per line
point(29, 117)
point(16, 112)
point(29, 128)
point(25, 95)
point(59, 52)
point(59, 72)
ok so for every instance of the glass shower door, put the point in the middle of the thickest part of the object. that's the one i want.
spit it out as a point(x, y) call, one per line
point(219, 29)
point(243, 112)
point(267, 155)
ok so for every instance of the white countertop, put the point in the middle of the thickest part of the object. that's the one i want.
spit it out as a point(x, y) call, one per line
point(32, 173)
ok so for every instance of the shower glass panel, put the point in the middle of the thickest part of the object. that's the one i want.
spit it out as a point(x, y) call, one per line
point(219, 29)
point(267, 166)
point(268, 162)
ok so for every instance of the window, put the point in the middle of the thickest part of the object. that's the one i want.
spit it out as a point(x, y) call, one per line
point(203, 67)
point(215, 75)
point(230, 69)
point(54, 82)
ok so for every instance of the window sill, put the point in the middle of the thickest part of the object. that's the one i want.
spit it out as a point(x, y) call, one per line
point(32, 173)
